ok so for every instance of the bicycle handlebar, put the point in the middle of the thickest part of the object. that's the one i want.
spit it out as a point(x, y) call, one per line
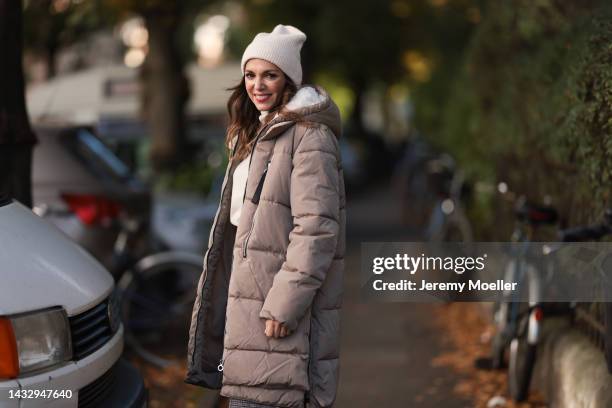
point(590, 233)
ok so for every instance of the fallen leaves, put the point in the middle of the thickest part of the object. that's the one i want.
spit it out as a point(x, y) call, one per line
point(468, 334)
point(166, 386)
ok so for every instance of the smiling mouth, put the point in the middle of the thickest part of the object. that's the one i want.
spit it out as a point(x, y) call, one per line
point(262, 98)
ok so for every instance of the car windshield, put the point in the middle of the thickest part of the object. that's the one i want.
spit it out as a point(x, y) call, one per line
point(98, 150)
point(97, 157)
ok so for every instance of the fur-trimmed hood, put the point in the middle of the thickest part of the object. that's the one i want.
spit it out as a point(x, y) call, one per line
point(313, 104)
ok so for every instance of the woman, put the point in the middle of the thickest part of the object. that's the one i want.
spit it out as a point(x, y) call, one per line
point(265, 325)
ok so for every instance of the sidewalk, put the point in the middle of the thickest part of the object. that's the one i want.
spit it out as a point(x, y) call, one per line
point(387, 348)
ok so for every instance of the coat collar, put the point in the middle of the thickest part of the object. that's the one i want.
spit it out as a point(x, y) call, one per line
point(313, 104)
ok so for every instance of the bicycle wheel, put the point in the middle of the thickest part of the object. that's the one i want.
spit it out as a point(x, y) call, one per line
point(158, 295)
point(499, 343)
point(608, 334)
point(521, 363)
point(505, 316)
point(606, 267)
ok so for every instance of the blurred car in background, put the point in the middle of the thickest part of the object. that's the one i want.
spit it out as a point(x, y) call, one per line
point(83, 188)
point(184, 202)
point(61, 336)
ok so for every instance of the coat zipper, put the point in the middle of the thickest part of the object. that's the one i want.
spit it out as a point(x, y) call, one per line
point(210, 239)
point(220, 366)
point(254, 200)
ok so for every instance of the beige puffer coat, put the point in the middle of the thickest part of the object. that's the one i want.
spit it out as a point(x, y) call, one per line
point(286, 263)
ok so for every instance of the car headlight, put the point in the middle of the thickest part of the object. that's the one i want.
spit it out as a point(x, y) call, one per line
point(34, 341)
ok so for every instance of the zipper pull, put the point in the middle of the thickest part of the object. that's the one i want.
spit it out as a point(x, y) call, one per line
point(257, 195)
point(220, 366)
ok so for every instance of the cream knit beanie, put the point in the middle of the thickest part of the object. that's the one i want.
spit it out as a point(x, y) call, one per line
point(281, 47)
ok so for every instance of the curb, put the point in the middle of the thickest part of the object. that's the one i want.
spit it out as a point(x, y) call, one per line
point(570, 371)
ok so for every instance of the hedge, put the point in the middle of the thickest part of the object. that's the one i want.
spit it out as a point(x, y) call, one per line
point(532, 106)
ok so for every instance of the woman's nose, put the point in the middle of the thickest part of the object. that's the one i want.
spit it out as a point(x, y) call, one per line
point(259, 84)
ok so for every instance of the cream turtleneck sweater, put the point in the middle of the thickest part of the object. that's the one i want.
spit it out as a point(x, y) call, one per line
point(239, 183)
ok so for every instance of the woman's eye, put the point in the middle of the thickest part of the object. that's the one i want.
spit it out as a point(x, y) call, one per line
point(269, 76)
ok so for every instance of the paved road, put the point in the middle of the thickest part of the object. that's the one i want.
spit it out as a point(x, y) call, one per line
point(387, 348)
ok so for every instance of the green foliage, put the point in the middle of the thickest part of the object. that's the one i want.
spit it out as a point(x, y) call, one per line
point(365, 42)
point(533, 104)
point(356, 47)
point(50, 25)
point(360, 40)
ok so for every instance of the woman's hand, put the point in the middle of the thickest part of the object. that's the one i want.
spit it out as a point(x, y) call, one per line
point(276, 329)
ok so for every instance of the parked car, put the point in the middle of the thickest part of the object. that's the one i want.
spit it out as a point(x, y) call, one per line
point(61, 336)
point(184, 207)
point(82, 187)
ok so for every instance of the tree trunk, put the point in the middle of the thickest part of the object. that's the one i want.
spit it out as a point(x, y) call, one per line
point(16, 135)
point(51, 59)
point(50, 42)
point(165, 91)
point(14, 124)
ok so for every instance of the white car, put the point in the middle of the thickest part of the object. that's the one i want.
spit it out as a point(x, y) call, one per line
point(61, 337)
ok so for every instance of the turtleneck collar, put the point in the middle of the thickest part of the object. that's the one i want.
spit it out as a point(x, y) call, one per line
point(262, 115)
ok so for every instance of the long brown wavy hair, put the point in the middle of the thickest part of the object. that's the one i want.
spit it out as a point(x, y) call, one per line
point(244, 116)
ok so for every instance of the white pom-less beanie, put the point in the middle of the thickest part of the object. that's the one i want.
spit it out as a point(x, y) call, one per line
point(281, 47)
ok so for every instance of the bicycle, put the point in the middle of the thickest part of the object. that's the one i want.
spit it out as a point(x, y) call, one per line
point(157, 291)
point(512, 317)
point(448, 221)
point(520, 323)
point(411, 182)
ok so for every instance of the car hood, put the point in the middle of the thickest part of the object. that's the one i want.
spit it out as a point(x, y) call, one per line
point(40, 267)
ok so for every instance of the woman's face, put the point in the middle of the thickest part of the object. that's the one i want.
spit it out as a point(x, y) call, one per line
point(264, 83)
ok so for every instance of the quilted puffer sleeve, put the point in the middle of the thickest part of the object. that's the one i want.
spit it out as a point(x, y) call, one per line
point(315, 207)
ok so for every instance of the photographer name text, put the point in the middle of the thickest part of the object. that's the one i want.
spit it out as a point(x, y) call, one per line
point(408, 285)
